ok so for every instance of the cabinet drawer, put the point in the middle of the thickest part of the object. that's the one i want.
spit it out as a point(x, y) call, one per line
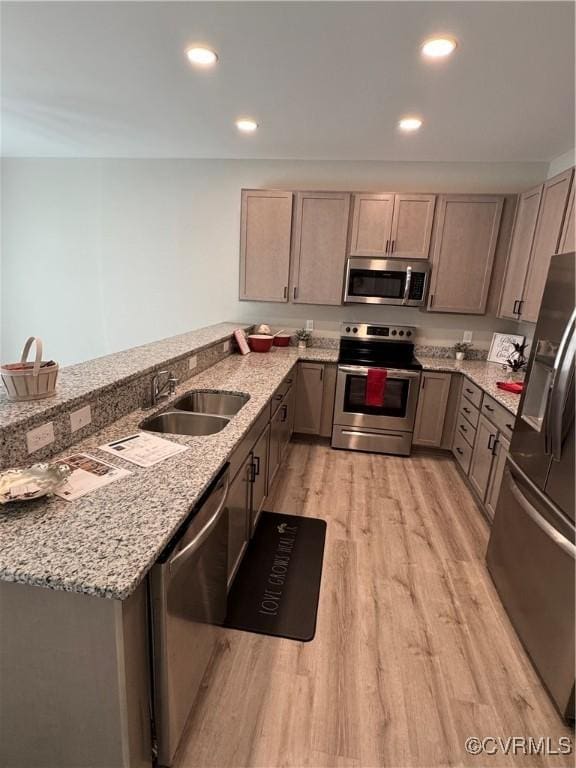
point(282, 391)
point(498, 415)
point(462, 451)
point(468, 411)
point(247, 443)
point(466, 429)
point(472, 392)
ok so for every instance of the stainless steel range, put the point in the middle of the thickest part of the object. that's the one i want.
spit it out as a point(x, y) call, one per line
point(359, 423)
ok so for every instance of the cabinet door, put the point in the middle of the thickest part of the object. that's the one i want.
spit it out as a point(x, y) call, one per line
point(319, 247)
point(412, 226)
point(328, 398)
point(519, 255)
point(546, 241)
point(265, 233)
point(239, 509)
point(309, 396)
point(502, 449)
point(287, 420)
point(260, 475)
point(276, 427)
point(568, 239)
point(432, 400)
point(371, 225)
point(483, 456)
point(465, 241)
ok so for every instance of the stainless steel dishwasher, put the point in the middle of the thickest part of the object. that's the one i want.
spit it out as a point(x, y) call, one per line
point(187, 600)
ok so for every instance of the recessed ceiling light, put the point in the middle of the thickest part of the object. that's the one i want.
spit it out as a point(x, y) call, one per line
point(201, 56)
point(409, 124)
point(438, 47)
point(246, 125)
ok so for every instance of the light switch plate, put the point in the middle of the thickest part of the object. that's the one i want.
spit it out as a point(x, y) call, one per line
point(80, 418)
point(226, 346)
point(192, 362)
point(40, 436)
point(467, 336)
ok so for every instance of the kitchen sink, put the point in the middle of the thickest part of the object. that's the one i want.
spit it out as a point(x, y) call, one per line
point(182, 423)
point(215, 403)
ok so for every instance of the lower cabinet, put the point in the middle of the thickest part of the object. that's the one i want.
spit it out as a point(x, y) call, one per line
point(431, 412)
point(239, 513)
point(259, 476)
point(482, 457)
point(314, 399)
point(501, 450)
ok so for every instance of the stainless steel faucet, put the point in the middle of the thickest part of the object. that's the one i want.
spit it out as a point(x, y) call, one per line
point(160, 391)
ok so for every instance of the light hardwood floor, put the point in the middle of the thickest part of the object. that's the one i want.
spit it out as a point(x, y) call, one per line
point(413, 652)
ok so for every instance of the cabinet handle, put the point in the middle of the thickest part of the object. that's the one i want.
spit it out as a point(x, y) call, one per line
point(278, 397)
point(470, 391)
point(515, 307)
point(520, 306)
point(489, 408)
point(466, 410)
point(431, 299)
point(295, 292)
point(392, 246)
point(288, 381)
point(284, 412)
point(510, 427)
point(387, 244)
point(322, 373)
point(490, 443)
point(251, 474)
point(256, 466)
point(460, 451)
point(285, 291)
point(495, 446)
point(463, 428)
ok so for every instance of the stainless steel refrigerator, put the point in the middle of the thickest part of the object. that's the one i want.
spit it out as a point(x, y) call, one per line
point(531, 552)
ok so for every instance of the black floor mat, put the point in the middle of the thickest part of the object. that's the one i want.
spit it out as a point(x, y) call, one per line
point(277, 586)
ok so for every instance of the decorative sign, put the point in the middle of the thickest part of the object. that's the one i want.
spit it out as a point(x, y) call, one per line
point(242, 342)
point(503, 346)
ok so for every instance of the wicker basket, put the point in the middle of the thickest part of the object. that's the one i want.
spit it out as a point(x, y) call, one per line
point(30, 381)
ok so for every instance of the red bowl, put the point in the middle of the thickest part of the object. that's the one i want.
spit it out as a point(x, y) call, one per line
point(283, 340)
point(260, 342)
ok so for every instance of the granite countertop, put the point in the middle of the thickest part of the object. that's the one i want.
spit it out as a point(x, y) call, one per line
point(104, 543)
point(94, 376)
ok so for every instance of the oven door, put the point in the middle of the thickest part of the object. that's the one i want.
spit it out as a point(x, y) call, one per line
point(399, 406)
point(385, 281)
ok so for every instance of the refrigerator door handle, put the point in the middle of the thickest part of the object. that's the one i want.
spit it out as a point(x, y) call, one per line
point(561, 541)
point(562, 374)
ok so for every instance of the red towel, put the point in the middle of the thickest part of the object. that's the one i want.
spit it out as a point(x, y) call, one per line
point(376, 387)
point(511, 386)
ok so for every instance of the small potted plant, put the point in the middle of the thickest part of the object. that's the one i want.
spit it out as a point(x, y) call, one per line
point(517, 361)
point(303, 337)
point(461, 347)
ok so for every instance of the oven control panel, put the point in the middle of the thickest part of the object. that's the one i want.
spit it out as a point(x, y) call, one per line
point(379, 332)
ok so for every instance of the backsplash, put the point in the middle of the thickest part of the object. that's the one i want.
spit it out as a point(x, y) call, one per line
point(424, 350)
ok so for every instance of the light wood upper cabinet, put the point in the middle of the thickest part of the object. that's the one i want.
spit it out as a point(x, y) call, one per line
point(392, 226)
point(568, 239)
point(465, 240)
point(546, 241)
point(431, 412)
point(519, 255)
point(371, 225)
point(319, 247)
point(265, 231)
point(412, 226)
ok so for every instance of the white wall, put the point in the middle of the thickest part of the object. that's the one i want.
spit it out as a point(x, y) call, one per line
point(561, 163)
point(100, 255)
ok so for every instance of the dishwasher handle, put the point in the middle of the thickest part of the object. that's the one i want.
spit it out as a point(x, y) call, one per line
point(183, 555)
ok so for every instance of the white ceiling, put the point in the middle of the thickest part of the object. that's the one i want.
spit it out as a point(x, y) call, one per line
point(325, 80)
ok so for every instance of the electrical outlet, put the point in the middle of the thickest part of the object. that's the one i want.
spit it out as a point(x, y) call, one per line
point(309, 325)
point(192, 362)
point(226, 346)
point(80, 418)
point(40, 436)
point(467, 336)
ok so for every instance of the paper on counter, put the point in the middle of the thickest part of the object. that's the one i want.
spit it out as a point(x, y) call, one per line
point(143, 449)
point(88, 474)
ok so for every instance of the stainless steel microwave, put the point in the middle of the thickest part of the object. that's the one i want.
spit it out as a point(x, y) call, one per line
point(386, 281)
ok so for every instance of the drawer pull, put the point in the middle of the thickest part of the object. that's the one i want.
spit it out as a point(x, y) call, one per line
point(466, 410)
point(463, 428)
point(278, 397)
point(510, 427)
point(470, 391)
point(489, 408)
point(460, 451)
